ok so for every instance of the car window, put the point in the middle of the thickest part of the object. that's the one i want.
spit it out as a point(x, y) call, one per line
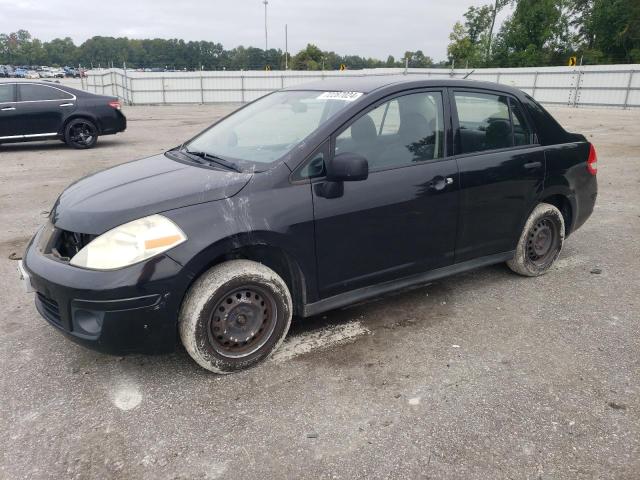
point(265, 130)
point(313, 168)
point(484, 121)
point(399, 132)
point(6, 93)
point(30, 92)
point(522, 134)
point(386, 118)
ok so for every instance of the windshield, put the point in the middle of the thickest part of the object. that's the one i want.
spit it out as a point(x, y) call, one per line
point(267, 129)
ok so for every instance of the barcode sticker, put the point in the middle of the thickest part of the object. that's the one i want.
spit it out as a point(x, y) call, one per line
point(346, 96)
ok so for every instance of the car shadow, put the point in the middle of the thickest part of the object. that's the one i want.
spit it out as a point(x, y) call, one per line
point(51, 145)
point(418, 308)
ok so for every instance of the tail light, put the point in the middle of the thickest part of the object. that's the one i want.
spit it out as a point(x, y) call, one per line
point(115, 104)
point(592, 161)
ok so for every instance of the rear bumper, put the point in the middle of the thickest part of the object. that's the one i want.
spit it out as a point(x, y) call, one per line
point(113, 125)
point(131, 310)
point(585, 202)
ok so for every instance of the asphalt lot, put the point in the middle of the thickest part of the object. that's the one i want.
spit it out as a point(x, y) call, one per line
point(482, 375)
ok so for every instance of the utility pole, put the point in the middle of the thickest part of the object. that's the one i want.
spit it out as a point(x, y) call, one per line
point(266, 44)
point(286, 48)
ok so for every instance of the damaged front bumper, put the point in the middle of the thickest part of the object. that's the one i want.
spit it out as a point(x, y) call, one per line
point(133, 309)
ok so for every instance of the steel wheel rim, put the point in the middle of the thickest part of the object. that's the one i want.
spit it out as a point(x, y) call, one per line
point(82, 134)
point(542, 242)
point(242, 321)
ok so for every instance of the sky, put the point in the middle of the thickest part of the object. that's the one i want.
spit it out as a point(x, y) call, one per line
point(370, 28)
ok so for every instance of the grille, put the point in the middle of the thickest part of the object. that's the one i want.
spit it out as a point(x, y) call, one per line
point(64, 244)
point(50, 308)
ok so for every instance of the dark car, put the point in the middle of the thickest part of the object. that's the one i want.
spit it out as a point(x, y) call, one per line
point(45, 111)
point(306, 200)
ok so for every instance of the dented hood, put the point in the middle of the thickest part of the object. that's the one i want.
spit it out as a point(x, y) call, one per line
point(136, 189)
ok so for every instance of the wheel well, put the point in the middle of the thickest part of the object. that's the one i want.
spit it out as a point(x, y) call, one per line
point(562, 203)
point(80, 115)
point(278, 261)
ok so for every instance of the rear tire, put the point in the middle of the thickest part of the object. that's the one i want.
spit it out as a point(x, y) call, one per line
point(540, 242)
point(234, 316)
point(81, 133)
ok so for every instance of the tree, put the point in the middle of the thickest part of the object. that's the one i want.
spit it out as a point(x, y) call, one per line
point(418, 59)
point(460, 50)
point(308, 59)
point(497, 6)
point(611, 27)
point(470, 41)
point(61, 52)
point(536, 34)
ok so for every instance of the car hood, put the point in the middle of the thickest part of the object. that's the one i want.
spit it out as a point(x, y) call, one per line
point(109, 198)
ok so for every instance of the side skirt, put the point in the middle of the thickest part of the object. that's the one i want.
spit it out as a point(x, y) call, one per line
point(365, 293)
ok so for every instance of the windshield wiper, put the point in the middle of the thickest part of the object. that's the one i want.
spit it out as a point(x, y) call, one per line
point(213, 159)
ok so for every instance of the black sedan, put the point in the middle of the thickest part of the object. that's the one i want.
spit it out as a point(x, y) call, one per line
point(306, 200)
point(46, 111)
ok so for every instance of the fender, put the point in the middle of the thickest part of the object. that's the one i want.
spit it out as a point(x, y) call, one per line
point(80, 114)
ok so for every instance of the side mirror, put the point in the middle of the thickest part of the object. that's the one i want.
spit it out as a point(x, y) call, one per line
point(348, 167)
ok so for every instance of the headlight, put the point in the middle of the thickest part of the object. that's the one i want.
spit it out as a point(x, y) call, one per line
point(130, 243)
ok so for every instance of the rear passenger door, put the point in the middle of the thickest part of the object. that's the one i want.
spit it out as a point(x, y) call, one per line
point(42, 109)
point(501, 171)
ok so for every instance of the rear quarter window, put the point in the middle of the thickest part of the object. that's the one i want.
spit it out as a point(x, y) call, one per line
point(549, 131)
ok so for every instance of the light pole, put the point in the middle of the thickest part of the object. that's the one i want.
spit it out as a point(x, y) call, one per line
point(266, 44)
point(286, 48)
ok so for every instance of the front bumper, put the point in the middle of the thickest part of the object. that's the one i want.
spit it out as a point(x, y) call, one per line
point(133, 309)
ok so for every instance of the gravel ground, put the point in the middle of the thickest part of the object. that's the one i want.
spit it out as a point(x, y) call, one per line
point(482, 375)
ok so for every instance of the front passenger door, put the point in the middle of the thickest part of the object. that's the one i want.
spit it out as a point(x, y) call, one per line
point(402, 219)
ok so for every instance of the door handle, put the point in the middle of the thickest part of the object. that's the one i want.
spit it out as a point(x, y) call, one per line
point(439, 183)
point(532, 165)
point(7, 109)
point(67, 105)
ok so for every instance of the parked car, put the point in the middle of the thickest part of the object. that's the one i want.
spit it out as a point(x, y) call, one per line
point(32, 74)
point(306, 200)
point(45, 73)
point(20, 72)
point(44, 111)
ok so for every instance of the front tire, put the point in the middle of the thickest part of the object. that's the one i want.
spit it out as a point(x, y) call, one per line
point(81, 133)
point(540, 242)
point(234, 316)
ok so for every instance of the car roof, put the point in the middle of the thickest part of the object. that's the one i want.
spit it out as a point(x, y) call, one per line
point(57, 85)
point(369, 83)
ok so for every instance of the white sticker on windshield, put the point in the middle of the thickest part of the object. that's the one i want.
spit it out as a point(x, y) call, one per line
point(346, 96)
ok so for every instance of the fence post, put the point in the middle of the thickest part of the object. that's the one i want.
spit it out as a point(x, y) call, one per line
point(535, 84)
point(242, 86)
point(164, 99)
point(282, 81)
point(498, 78)
point(577, 90)
point(201, 89)
point(126, 90)
point(626, 96)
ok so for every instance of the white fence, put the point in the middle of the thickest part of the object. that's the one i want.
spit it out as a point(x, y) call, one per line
point(601, 86)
